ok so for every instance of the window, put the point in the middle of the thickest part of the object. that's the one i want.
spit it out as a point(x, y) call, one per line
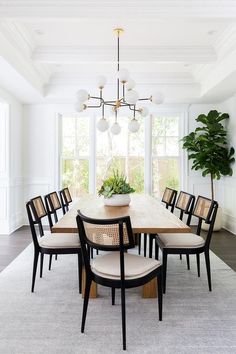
point(88, 156)
point(165, 154)
point(124, 152)
point(75, 155)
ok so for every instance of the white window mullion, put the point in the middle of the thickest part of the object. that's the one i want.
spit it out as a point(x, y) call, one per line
point(92, 155)
point(148, 156)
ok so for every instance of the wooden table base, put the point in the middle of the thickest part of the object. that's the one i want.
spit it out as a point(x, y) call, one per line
point(149, 290)
point(93, 289)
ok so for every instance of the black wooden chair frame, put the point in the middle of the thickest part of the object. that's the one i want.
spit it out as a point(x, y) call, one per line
point(210, 219)
point(51, 210)
point(64, 201)
point(113, 283)
point(34, 220)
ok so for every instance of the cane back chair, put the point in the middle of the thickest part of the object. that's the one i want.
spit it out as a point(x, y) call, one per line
point(118, 268)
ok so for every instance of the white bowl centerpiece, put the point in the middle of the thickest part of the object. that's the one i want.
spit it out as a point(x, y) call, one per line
point(116, 190)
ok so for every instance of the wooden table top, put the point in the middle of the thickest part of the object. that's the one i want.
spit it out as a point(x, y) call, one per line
point(147, 215)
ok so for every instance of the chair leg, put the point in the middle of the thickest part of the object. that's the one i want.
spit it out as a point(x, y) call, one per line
point(156, 251)
point(56, 257)
point(36, 256)
point(92, 252)
point(208, 268)
point(188, 263)
point(97, 252)
point(41, 264)
point(180, 257)
point(113, 294)
point(164, 264)
point(80, 271)
point(123, 317)
point(50, 262)
point(160, 294)
point(86, 300)
point(198, 264)
point(145, 244)
point(150, 245)
point(139, 243)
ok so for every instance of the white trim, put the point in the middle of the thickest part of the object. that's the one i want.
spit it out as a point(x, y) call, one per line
point(92, 154)
point(148, 155)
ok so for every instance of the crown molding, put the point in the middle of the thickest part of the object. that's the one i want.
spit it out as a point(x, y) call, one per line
point(210, 9)
point(90, 54)
point(226, 42)
point(20, 39)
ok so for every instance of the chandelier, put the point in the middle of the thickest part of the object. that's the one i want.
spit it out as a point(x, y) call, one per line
point(126, 97)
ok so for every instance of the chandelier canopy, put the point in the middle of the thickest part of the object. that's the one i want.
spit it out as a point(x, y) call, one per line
point(126, 97)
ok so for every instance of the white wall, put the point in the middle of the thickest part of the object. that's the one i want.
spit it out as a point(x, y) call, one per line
point(40, 148)
point(228, 184)
point(11, 179)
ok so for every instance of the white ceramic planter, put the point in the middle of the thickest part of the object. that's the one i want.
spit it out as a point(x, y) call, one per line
point(117, 200)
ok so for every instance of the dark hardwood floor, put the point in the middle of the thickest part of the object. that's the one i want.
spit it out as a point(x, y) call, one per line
point(223, 245)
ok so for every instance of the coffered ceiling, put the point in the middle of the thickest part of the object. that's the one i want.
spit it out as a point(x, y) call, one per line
point(186, 49)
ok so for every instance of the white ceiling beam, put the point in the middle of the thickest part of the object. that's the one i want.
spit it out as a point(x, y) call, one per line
point(16, 51)
point(91, 54)
point(188, 9)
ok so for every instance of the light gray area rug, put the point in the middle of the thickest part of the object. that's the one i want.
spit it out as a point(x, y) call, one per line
point(48, 321)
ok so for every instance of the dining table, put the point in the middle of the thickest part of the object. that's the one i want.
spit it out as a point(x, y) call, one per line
point(147, 214)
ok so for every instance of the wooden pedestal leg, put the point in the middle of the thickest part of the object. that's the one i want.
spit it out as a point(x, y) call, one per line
point(149, 290)
point(93, 289)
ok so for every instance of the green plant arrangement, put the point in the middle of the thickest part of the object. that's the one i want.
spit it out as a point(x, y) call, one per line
point(208, 147)
point(116, 184)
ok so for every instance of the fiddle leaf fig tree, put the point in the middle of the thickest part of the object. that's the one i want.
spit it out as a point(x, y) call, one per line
point(208, 147)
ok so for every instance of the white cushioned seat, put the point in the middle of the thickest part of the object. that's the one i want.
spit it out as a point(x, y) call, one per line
point(59, 240)
point(108, 266)
point(181, 240)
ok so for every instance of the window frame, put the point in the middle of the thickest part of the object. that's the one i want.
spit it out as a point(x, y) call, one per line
point(148, 158)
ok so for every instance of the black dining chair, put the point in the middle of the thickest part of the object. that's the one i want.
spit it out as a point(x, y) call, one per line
point(47, 243)
point(52, 204)
point(187, 243)
point(65, 198)
point(117, 268)
point(168, 198)
point(185, 203)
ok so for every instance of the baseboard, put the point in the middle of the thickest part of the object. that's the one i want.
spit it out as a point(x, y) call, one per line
point(229, 223)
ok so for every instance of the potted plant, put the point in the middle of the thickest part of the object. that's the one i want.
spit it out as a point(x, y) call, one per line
point(116, 190)
point(208, 147)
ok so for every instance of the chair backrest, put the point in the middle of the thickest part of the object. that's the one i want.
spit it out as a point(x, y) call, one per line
point(169, 198)
point(36, 211)
point(106, 235)
point(65, 198)
point(185, 203)
point(53, 204)
point(205, 210)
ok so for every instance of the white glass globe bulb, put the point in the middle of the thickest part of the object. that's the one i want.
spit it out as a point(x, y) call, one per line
point(134, 125)
point(79, 106)
point(157, 98)
point(131, 97)
point(82, 95)
point(130, 84)
point(144, 111)
point(123, 75)
point(101, 81)
point(102, 125)
point(115, 129)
